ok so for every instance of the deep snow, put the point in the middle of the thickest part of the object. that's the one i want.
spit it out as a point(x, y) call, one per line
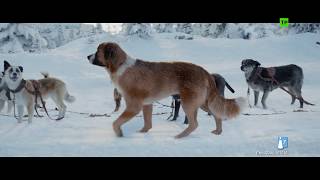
point(79, 135)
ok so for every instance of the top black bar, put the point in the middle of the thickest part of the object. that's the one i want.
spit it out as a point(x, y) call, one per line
point(157, 12)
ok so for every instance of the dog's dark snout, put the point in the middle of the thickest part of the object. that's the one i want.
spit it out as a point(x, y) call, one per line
point(14, 74)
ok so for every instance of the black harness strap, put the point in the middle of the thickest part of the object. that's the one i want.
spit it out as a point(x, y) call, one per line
point(18, 89)
point(7, 92)
point(36, 93)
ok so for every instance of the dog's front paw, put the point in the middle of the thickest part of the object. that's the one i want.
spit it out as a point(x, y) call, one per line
point(144, 129)
point(178, 136)
point(181, 135)
point(217, 131)
point(117, 130)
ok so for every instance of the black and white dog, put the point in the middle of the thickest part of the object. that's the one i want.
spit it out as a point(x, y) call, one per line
point(220, 82)
point(25, 91)
point(265, 80)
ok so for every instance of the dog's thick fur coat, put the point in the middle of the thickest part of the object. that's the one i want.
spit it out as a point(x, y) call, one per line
point(142, 82)
point(48, 87)
point(289, 76)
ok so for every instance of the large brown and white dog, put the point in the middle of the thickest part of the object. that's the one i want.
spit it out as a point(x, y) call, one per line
point(48, 87)
point(141, 83)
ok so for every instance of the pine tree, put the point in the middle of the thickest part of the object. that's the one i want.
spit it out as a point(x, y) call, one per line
point(99, 28)
point(163, 27)
point(61, 38)
point(184, 28)
point(141, 30)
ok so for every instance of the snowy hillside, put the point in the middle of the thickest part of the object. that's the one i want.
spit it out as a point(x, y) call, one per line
point(37, 37)
point(219, 30)
point(80, 135)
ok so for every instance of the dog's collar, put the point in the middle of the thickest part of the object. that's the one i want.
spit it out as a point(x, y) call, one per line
point(19, 88)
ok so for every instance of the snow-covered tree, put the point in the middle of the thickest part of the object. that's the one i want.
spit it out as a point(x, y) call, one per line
point(99, 28)
point(297, 28)
point(212, 30)
point(35, 37)
point(141, 30)
point(184, 28)
point(163, 27)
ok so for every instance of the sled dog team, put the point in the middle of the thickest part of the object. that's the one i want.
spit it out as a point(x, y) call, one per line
point(141, 83)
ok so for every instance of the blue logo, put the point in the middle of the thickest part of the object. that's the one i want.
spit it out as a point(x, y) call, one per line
point(282, 142)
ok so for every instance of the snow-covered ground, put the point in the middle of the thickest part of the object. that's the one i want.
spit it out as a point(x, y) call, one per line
point(80, 135)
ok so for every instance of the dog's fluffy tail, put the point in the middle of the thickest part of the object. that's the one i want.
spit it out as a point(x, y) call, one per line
point(225, 108)
point(45, 74)
point(69, 98)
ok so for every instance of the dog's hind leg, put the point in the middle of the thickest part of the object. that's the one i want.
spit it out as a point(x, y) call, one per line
point(301, 102)
point(298, 93)
point(192, 121)
point(30, 108)
point(256, 97)
point(130, 111)
point(218, 129)
point(293, 98)
point(190, 107)
point(20, 113)
point(300, 99)
point(58, 99)
point(147, 116)
point(263, 99)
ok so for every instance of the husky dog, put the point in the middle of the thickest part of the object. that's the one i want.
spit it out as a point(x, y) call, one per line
point(143, 82)
point(221, 84)
point(24, 90)
point(262, 79)
point(5, 96)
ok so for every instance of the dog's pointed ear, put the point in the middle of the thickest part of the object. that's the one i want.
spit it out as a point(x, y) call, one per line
point(258, 64)
point(21, 68)
point(6, 65)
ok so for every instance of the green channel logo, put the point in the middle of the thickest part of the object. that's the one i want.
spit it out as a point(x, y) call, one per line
point(284, 22)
